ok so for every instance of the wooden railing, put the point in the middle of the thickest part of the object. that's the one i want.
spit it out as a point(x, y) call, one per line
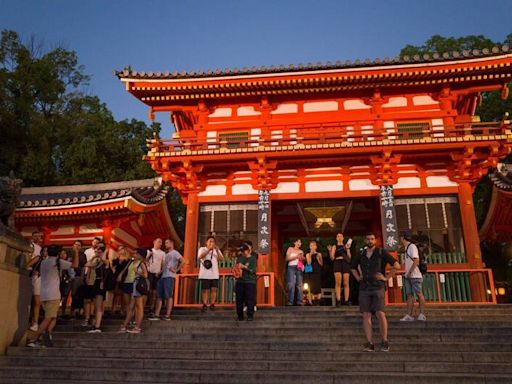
point(330, 133)
point(187, 290)
point(463, 286)
point(448, 286)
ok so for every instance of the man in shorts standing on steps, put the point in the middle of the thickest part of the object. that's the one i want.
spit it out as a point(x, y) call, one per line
point(369, 269)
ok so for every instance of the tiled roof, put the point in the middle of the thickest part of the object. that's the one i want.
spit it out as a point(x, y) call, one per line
point(367, 63)
point(148, 191)
point(502, 178)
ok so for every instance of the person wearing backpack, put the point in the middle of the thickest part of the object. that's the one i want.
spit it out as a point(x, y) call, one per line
point(50, 270)
point(413, 278)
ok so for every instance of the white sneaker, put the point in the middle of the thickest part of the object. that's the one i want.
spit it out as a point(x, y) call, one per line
point(34, 327)
point(421, 317)
point(407, 318)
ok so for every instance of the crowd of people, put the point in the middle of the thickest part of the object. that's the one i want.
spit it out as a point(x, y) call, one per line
point(124, 280)
point(132, 280)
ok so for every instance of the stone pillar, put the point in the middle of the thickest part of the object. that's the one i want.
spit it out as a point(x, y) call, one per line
point(16, 291)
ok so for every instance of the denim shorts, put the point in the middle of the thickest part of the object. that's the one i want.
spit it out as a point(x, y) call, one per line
point(165, 288)
point(413, 286)
point(135, 292)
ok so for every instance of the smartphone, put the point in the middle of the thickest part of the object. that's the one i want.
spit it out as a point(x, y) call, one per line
point(349, 243)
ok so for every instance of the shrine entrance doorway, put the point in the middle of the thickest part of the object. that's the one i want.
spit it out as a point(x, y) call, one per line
point(321, 220)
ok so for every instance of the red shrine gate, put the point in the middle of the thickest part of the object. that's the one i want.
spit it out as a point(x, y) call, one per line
point(334, 146)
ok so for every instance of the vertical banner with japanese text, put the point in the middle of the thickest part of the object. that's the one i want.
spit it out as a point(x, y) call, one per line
point(264, 222)
point(388, 212)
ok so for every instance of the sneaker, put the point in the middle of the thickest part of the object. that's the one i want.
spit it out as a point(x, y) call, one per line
point(122, 330)
point(407, 318)
point(153, 318)
point(94, 330)
point(35, 344)
point(204, 308)
point(47, 340)
point(421, 317)
point(212, 307)
point(166, 318)
point(245, 308)
point(384, 346)
point(255, 308)
point(134, 330)
point(369, 347)
point(85, 323)
point(34, 327)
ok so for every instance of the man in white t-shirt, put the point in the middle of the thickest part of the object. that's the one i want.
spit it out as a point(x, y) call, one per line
point(37, 240)
point(155, 262)
point(413, 277)
point(173, 262)
point(209, 257)
point(50, 295)
point(90, 253)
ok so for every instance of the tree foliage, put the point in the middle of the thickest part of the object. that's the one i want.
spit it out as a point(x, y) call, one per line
point(492, 108)
point(52, 133)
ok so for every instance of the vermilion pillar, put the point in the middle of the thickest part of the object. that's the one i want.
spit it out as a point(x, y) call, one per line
point(470, 229)
point(472, 241)
point(191, 229)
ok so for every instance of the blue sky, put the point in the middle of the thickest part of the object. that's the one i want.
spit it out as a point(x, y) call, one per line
point(159, 35)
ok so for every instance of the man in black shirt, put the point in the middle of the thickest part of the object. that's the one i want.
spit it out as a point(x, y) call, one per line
point(372, 278)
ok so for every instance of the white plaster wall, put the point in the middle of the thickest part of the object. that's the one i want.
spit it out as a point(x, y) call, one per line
point(287, 187)
point(408, 182)
point(440, 181)
point(214, 190)
point(355, 104)
point(423, 100)
point(320, 106)
point(243, 189)
point(324, 186)
point(221, 112)
point(64, 230)
point(362, 185)
point(395, 102)
point(285, 108)
point(247, 111)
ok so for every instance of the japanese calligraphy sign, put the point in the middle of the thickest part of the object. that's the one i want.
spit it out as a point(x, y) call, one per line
point(263, 222)
point(388, 212)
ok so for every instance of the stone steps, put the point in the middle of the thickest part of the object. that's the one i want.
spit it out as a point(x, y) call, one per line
point(46, 356)
point(80, 375)
point(283, 345)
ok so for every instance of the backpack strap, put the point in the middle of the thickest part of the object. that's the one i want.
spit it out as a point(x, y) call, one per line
point(57, 264)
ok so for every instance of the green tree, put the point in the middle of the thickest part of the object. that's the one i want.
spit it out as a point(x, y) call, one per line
point(492, 108)
point(51, 131)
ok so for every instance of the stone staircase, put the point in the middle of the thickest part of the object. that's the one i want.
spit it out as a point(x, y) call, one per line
point(472, 344)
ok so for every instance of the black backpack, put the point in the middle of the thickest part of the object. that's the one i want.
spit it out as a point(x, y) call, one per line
point(422, 266)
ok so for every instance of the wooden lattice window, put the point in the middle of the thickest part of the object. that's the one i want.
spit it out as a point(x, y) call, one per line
point(234, 139)
point(412, 129)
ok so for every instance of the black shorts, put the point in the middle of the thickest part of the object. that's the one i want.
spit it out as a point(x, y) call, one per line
point(371, 300)
point(91, 291)
point(207, 283)
point(341, 266)
point(153, 279)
